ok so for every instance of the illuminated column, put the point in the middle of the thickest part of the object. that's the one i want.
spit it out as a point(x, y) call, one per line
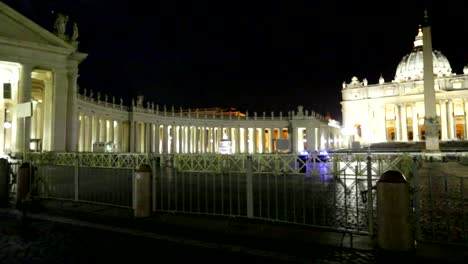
point(132, 136)
point(81, 137)
point(165, 139)
point(121, 141)
point(397, 122)
point(310, 138)
point(415, 123)
point(238, 140)
point(443, 119)
point(294, 139)
point(180, 138)
point(147, 138)
point(404, 129)
point(112, 123)
point(212, 139)
point(466, 118)
point(451, 125)
point(255, 132)
point(319, 137)
point(189, 139)
point(201, 148)
point(95, 129)
point(173, 137)
point(23, 124)
point(72, 117)
point(156, 138)
point(88, 133)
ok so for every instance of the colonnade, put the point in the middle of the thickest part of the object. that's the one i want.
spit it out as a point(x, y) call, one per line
point(451, 113)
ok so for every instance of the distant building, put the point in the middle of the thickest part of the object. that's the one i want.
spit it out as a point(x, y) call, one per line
point(394, 111)
point(38, 74)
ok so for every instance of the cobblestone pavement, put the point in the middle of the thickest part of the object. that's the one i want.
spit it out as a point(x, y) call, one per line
point(50, 242)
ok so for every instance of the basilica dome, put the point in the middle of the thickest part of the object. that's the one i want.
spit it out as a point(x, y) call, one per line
point(411, 67)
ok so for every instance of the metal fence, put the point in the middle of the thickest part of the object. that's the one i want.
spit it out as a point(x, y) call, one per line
point(334, 194)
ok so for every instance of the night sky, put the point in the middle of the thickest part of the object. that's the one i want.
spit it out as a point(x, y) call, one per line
point(251, 55)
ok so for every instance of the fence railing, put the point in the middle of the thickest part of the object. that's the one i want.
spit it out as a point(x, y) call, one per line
point(335, 194)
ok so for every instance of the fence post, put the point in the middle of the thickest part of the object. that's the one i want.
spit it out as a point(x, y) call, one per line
point(250, 212)
point(416, 196)
point(4, 182)
point(393, 213)
point(23, 183)
point(370, 201)
point(77, 179)
point(142, 191)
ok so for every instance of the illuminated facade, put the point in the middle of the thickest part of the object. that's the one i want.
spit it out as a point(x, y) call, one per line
point(394, 111)
point(39, 69)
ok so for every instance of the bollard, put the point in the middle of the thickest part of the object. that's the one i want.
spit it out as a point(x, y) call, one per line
point(142, 191)
point(4, 182)
point(23, 183)
point(394, 232)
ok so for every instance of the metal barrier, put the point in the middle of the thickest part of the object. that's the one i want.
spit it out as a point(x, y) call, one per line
point(335, 194)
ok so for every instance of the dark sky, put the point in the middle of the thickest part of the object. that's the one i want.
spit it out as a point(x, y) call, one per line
point(255, 55)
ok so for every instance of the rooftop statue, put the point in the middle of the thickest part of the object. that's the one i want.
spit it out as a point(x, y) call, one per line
point(75, 34)
point(60, 25)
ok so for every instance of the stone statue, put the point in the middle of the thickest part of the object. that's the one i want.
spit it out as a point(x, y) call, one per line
point(344, 85)
point(75, 33)
point(113, 100)
point(106, 97)
point(91, 93)
point(84, 92)
point(381, 80)
point(60, 25)
point(465, 70)
point(300, 110)
point(140, 101)
point(354, 80)
point(364, 82)
point(98, 96)
point(121, 101)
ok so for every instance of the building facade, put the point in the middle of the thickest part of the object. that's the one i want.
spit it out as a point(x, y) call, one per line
point(394, 111)
point(43, 109)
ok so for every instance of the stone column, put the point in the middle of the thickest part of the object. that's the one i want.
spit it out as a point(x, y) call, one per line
point(165, 140)
point(255, 133)
point(23, 124)
point(82, 137)
point(174, 139)
point(89, 133)
point(465, 105)
point(148, 143)
point(293, 136)
point(72, 116)
point(94, 129)
point(443, 119)
point(189, 139)
point(404, 129)
point(132, 136)
point(238, 140)
point(397, 122)
point(415, 124)
point(246, 140)
point(156, 138)
point(451, 126)
point(310, 138)
point(59, 118)
point(111, 131)
point(121, 137)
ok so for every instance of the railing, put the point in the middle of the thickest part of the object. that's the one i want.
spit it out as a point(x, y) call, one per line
point(335, 194)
